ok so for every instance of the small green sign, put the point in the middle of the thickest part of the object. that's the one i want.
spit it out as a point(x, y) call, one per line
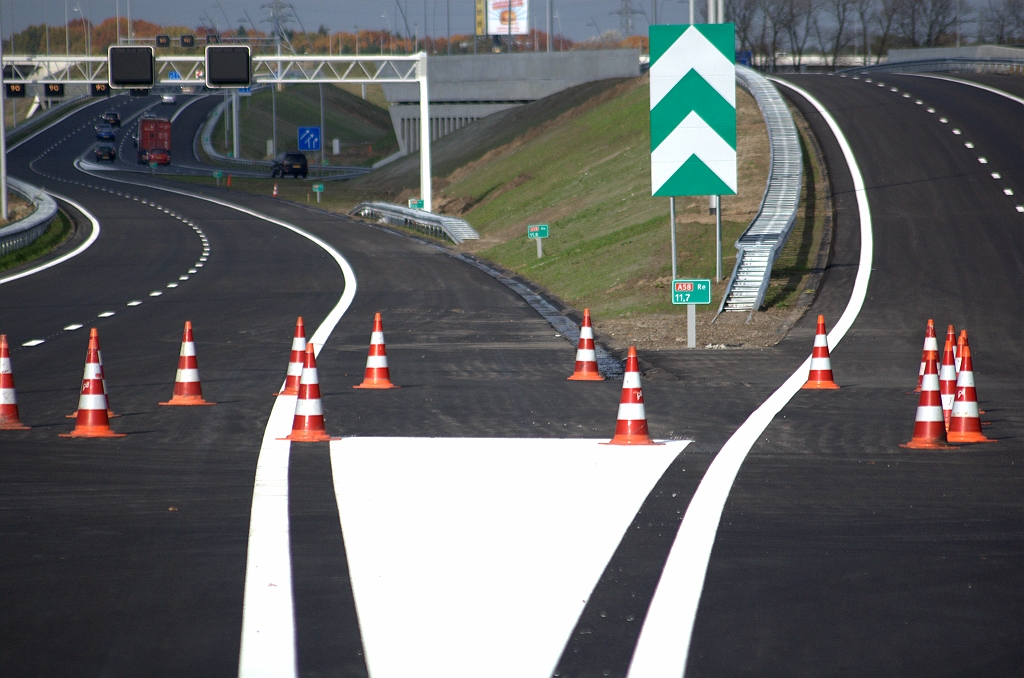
point(691, 291)
point(415, 204)
point(218, 174)
point(318, 188)
point(537, 231)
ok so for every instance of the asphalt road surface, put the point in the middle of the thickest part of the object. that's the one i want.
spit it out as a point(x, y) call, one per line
point(838, 553)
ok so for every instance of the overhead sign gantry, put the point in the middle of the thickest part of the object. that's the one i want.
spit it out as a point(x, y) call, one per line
point(223, 70)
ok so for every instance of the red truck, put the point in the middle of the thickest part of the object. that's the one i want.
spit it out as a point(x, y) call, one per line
point(154, 141)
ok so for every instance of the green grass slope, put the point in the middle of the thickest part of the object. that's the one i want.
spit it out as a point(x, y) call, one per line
point(364, 129)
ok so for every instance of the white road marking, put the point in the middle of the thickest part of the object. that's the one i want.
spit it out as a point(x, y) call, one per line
point(133, 303)
point(969, 83)
point(34, 342)
point(464, 550)
point(664, 642)
point(105, 314)
point(72, 328)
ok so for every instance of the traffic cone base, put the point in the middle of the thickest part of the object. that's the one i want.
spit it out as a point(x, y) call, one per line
point(377, 375)
point(631, 422)
point(12, 424)
point(819, 377)
point(187, 400)
point(586, 354)
point(92, 432)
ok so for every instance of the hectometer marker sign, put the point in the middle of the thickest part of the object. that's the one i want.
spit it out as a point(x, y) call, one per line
point(691, 291)
point(693, 110)
point(537, 231)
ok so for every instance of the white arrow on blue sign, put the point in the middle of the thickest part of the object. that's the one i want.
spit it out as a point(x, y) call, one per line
point(309, 138)
point(174, 75)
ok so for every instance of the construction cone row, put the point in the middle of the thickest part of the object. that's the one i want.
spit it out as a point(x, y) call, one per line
point(308, 423)
point(631, 423)
point(377, 374)
point(91, 420)
point(820, 374)
point(964, 423)
point(9, 420)
point(586, 354)
point(297, 361)
point(187, 388)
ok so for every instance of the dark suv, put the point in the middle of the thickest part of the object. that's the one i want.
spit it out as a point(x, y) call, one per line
point(293, 163)
point(111, 118)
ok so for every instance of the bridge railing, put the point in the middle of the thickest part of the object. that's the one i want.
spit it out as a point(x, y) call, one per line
point(975, 65)
point(25, 231)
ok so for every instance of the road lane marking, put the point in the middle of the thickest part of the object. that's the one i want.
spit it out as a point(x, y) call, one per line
point(34, 342)
point(461, 550)
point(664, 642)
point(73, 327)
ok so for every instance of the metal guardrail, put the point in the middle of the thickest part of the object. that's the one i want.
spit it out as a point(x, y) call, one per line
point(760, 244)
point(976, 65)
point(25, 231)
point(436, 225)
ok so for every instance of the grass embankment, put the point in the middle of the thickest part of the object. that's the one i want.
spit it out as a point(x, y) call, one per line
point(59, 231)
point(364, 129)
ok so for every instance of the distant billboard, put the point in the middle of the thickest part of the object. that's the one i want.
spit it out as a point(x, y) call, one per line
point(508, 17)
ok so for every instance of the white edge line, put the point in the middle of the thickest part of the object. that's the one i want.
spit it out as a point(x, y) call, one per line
point(54, 123)
point(267, 647)
point(664, 643)
point(74, 253)
point(970, 83)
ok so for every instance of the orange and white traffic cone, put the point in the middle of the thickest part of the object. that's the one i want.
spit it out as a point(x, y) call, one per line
point(929, 424)
point(931, 349)
point(951, 338)
point(275, 190)
point(94, 340)
point(947, 381)
point(586, 355)
point(964, 421)
point(297, 360)
point(91, 420)
point(9, 419)
point(308, 424)
point(631, 423)
point(187, 388)
point(820, 374)
point(960, 341)
point(377, 374)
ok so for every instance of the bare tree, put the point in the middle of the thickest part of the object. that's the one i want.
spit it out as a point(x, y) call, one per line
point(743, 14)
point(1002, 22)
point(885, 18)
point(926, 22)
point(775, 23)
point(864, 10)
point(799, 17)
point(834, 32)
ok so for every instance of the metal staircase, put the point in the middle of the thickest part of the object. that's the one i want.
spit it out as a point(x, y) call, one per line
point(760, 244)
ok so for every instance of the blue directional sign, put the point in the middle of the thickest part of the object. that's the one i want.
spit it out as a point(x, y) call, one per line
point(174, 75)
point(309, 138)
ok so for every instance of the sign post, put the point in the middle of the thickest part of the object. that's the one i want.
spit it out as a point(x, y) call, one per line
point(691, 292)
point(538, 232)
point(318, 189)
point(217, 175)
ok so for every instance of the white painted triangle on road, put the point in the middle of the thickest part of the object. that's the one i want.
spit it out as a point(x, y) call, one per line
point(693, 51)
point(693, 136)
point(474, 557)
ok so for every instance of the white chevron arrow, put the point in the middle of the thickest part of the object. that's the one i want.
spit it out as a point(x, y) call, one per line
point(693, 136)
point(693, 51)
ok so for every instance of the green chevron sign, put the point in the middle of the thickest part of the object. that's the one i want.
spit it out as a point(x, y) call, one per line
point(693, 109)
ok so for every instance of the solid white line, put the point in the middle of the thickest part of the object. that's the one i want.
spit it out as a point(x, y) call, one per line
point(993, 90)
point(664, 642)
point(74, 253)
point(268, 620)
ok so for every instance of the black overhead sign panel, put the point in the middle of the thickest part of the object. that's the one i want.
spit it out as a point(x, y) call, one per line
point(228, 66)
point(130, 67)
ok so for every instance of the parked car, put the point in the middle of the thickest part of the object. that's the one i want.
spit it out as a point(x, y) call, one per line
point(106, 152)
point(111, 118)
point(167, 99)
point(291, 162)
point(104, 133)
